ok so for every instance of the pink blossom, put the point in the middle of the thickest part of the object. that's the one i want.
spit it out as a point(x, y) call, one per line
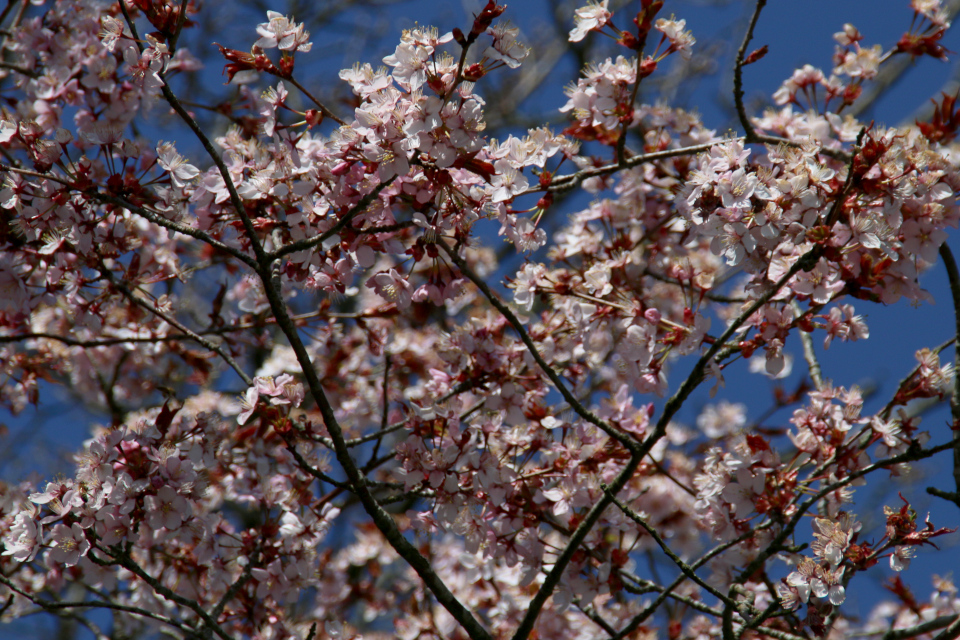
point(391, 287)
point(169, 160)
point(281, 32)
point(167, 509)
point(68, 544)
point(594, 16)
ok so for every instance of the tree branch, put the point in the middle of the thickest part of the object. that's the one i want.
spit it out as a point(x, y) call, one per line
point(953, 276)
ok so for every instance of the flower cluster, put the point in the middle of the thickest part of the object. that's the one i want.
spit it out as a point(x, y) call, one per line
point(415, 444)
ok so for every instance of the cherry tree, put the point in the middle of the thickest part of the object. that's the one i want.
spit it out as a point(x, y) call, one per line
point(333, 407)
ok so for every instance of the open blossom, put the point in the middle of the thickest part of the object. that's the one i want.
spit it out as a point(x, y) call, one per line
point(526, 236)
point(181, 172)
point(167, 509)
point(848, 36)
point(809, 579)
point(357, 261)
point(279, 392)
point(718, 420)
point(801, 78)
point(505, 46)
point(68, 544)
point(600, 95)
point(932, 10)
point(862, 63)
point(680, 40)
point(593, 16)
point(279, 31)
point(525, 285)
point(392, 287)
point(111, 31)
point(901, 557)
point(25, 536)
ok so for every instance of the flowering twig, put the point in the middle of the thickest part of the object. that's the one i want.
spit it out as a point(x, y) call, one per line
point(175, 104)
point(173, 226)
point(683, 566)
point(885, 412)
point(95, 604)
point(954, 277)
point(123, 558)
point(627, 441)
point(152, 216)
point(309, 243)
point(649, 610)
point(751, 133)
point(128, 294)
point(266, 270)
point(323, 109)
point(911, 455)
point(891, 72)
point(231, 592)
point(383, 521)
point(569, 181)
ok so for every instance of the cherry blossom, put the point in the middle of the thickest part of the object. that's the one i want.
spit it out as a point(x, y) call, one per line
point(360, 364)
point(591, 17)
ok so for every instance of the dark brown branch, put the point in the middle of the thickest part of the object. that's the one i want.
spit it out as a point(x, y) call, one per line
point(677, 560)
point(96, 604)
point(355, 210)
point(217, 349)
point(920, 629)
point(954, 277)
point(124, 560)
point(751, 133)
point(625, 439)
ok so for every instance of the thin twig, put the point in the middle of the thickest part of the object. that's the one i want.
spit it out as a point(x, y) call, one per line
point(217, 349)
point(309, 243)
point(623, 438)
point(327, 113)
point(954, 277)
point(97, 604)
point(809, 352)
point(124, 560)
point(677, 560)
point(651, 608)
point(384, 413)
point(751, 133)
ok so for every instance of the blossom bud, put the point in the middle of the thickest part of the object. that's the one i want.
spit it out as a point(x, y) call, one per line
point(483, 21)
point(647, 67)
point(313, 117)
point(755, 55)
